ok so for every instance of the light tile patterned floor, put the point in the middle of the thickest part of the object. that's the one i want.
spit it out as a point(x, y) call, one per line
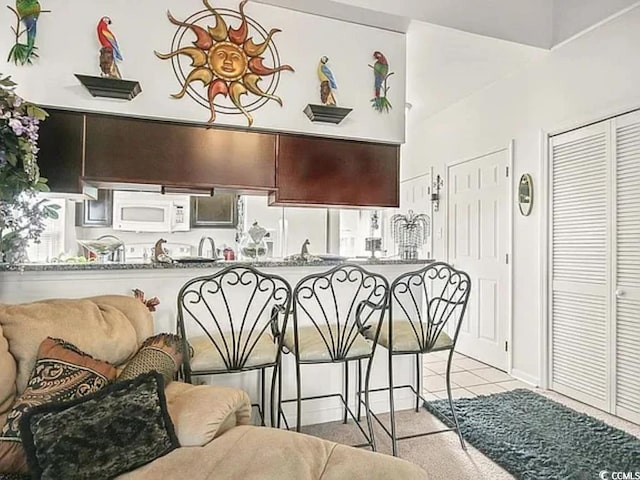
point(469, 377)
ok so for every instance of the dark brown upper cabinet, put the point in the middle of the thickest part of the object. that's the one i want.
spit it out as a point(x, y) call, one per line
point(324, 171)
point(219, 211)
point(162, 153)
point(95, 213)
point(61, 150)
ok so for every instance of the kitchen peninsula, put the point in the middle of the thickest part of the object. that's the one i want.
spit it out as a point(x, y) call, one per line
point(24, 283)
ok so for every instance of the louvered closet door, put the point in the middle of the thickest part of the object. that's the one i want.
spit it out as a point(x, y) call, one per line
point(580, 307)
point(627, 260)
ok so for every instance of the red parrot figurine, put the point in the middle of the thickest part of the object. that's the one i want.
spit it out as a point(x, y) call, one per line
point(381, 74)
point(110, 51)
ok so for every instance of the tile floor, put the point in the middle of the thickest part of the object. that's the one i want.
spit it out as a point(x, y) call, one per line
point(468, 377)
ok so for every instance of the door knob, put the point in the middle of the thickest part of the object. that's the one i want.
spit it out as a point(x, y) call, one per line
point(620, 293)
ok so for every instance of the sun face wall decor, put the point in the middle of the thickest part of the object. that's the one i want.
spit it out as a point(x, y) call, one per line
point(227, 61)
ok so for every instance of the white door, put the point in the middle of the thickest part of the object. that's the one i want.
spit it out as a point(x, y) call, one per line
point(478, 243)
point(626, 294)
point(580, 244)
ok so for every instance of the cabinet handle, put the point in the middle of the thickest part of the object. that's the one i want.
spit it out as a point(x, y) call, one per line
point(620, 293)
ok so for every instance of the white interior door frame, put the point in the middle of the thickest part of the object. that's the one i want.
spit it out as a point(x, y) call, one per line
point(546, 265)
point(445, 206)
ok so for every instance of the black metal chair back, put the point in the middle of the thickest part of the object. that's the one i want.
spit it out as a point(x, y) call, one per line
point(340, 303)
point(235, 308)
point(431, 299)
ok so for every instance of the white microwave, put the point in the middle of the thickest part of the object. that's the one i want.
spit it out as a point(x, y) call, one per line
point(150, 212)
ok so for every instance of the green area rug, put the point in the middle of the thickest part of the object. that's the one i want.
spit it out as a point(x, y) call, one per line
point(533, 437)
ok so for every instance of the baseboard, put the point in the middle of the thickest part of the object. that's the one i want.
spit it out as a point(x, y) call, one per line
point(525, 377)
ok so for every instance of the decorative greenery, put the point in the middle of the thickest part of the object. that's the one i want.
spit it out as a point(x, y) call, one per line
point(22, 216)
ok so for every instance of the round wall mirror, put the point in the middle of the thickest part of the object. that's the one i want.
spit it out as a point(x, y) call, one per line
point(525, 194)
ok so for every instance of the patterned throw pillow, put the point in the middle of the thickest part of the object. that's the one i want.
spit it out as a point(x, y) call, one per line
point(161, 353)
point(62, 372)
point(100, 436)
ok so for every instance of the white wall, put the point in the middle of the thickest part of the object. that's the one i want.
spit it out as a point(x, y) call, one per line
point(67, 44)
point(573, 16)
point(525, 21)
point(595, 75)
point(447, 65)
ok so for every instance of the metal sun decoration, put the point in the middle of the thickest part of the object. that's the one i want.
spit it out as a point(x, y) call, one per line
point(27, 12)
point(381, 74)
point(409, 231)
point(226, 60)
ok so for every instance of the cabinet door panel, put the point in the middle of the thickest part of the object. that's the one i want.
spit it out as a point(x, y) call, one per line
point(141, 151)
point(219, 211)
point(336, 172)
point(61, 150)
point(95, 213)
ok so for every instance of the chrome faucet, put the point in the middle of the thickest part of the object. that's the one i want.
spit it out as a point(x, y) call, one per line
point(118, 255)
point(214, 253)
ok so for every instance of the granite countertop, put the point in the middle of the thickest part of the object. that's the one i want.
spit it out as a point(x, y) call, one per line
point(72, 267)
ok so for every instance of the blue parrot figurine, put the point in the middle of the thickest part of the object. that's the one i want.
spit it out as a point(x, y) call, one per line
point(327, 82)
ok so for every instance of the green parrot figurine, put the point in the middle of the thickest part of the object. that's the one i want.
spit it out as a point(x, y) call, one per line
point(28, 12)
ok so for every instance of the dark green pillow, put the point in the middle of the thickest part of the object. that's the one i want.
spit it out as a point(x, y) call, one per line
point(100, 436)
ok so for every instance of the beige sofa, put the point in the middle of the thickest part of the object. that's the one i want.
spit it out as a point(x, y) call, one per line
point(211, 422)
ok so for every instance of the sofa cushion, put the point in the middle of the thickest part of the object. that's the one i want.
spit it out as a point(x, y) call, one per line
point(117, 429)
point(161, 353)
point(258, 453)
point(61, 373)
point(136, 312)
point(7, 376)
point(102, 329)
point(203, 412)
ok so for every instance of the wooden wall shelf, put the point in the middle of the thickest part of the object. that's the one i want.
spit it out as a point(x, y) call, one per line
point(326, 113)
point(110, 87)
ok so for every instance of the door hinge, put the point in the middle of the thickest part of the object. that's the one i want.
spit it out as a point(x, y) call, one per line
point(506, 259)
point(507, 170)
point(506, 346)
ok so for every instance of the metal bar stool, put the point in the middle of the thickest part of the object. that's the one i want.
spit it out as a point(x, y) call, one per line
point(424, 305)
point(330, 310)
point(240, 314)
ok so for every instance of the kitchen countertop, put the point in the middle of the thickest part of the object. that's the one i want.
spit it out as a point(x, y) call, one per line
point(93, 266)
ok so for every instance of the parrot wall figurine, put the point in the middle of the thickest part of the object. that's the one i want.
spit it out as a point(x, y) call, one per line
point(109, 51)
point(28, 12)
point(327, 82)
point(381, 74)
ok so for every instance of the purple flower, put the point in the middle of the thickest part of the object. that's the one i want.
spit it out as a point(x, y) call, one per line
point(17, 126)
